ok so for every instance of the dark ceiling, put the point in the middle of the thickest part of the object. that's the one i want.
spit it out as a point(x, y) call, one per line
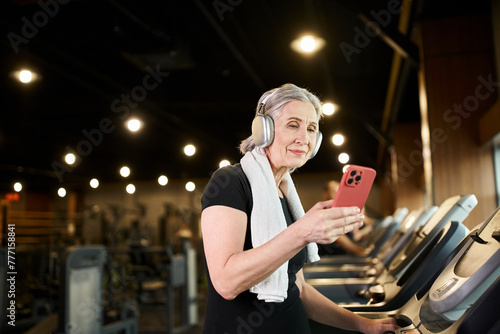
point(211, 62)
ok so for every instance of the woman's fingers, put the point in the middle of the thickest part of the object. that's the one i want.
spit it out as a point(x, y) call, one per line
point(350, 227)
point(348, 223)
point(341, 226)
point(328, 223)
point(383, 326)
point(390, 324)
point(389, 321)
point(351, 213)
point(343, 211)
point(353, 219)
point(325, 204)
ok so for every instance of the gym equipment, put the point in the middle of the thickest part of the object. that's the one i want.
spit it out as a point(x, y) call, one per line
point(81, 278)
point(81, 294)
point(470, 272)
point(170, 287)
point(381, 233)
point(182, 274)
point(464, 295)
point(404, 235)
point(399, 239)
point(413, 265)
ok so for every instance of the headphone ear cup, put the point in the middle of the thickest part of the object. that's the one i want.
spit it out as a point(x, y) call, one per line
point(319, 139)
point(262, 131)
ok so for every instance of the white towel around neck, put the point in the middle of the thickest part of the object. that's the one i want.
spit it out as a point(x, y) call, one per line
point(268, 220)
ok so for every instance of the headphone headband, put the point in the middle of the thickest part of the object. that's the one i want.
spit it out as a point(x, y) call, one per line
point(263, 103)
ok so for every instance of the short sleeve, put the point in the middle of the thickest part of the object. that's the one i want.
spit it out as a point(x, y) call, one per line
point(228, 186)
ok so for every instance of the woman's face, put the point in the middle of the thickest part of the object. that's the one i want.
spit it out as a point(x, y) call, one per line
point(294, 135)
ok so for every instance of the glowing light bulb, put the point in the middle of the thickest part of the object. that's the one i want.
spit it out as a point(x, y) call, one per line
point(94, 183)
point(163, 180)
point(328, 108)
point(224, 163)
point(189, 150)
point(25, 76)
point(190, 186)
point(18, 187)
point(61, 192)
point(130, 188)
point(307, 44)
point(134, 125)
point(125, 171)
point(337, 139)
point(70, 158)
point(344, 158)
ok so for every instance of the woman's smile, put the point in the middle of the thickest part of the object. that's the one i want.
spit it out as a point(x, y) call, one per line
point(297, 152)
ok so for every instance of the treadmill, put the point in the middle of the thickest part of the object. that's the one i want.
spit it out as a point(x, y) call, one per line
point(413, 221)
point(412, 267)
point(381, 233)
point(464, 295)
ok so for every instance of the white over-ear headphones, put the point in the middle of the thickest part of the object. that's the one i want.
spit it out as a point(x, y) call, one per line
point(263, 129)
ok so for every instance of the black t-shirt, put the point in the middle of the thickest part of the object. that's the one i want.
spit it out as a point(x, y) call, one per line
point(245, 313)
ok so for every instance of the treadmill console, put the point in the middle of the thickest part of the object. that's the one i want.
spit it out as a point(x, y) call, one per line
point(496, 235)
point(469, 273)
point(455, 208)
point(444, 208)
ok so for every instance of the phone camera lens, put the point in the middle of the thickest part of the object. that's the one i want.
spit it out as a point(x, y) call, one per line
point(358, 178)
point(350, 181)
point(353, 173)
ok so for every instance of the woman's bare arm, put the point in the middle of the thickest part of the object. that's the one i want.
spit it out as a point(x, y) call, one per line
point(233, 270)
point(321, 309)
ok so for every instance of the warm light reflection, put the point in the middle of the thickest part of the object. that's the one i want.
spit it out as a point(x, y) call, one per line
point(345, 168)
point(410, 222)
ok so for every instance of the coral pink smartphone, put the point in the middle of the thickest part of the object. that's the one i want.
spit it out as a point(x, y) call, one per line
point(354, 186)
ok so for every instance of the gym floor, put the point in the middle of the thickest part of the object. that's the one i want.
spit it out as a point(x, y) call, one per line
point(153, 318)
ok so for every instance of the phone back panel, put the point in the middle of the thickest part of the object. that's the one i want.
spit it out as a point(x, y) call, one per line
point(354, 186)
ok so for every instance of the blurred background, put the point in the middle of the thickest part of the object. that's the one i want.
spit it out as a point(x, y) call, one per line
point(115, 114)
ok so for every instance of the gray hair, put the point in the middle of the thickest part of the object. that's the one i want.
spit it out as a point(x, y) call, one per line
point(274, 104)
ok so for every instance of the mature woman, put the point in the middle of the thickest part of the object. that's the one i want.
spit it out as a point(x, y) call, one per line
point(257, 237)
